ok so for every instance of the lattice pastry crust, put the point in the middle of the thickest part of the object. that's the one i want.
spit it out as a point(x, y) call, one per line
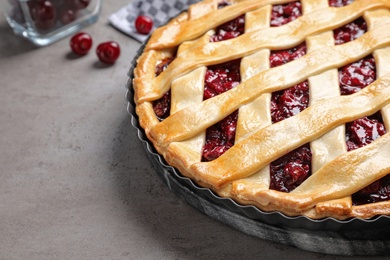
point(242, 173)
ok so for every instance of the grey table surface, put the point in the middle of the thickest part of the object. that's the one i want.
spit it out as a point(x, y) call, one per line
point(75, 182)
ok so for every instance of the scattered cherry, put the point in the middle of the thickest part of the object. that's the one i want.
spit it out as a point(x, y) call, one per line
point(81, 43)
point(143, 24)
point(108, 52)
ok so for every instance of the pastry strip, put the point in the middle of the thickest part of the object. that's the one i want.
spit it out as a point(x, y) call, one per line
point(382, 59)
point(278, 139)
point(175, 33)
point(322, 86)
point(256, 114)
point(289, 35)
point(188, 122)
point(256, 143)
point(345, 175)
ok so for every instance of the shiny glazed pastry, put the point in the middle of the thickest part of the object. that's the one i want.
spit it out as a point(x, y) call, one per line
point(278, 104)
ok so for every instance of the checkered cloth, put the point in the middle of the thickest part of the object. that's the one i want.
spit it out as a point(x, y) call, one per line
point(160, 11)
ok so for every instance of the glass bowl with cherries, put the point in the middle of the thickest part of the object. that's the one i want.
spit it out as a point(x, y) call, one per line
point(46, 21)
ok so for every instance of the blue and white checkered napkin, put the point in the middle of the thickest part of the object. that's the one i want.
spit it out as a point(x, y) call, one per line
point(160, 11)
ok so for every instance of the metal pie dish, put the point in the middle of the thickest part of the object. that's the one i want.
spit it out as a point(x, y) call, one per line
point(354, 236)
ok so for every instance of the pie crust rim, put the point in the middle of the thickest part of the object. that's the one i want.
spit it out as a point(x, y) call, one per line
point(286, 213)
point(273, 218)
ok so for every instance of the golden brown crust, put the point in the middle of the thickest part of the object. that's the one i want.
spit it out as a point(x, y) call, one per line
point(272, 142)
point(273, 38)
point(242, 173)
point(191, 121)
point(203, 16)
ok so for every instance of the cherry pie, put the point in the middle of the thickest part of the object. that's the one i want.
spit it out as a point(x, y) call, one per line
point(275, 103)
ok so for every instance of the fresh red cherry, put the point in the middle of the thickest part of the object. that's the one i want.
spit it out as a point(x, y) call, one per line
point(44, 14)
point(81, 43)
point(143, 24)
point(108, 52)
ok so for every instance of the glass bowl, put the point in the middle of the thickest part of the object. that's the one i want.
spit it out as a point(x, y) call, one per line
point(46, 21)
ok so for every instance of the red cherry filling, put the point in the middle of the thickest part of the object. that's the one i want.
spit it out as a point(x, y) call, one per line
point(289, 171)
point(289, 102)
point(357, 75)
point(283, 14)
point(163, 65)
point(221, 136)
point(221, 78)
point(350, 32)
point(108, 52)
point(375, 192)
point(223, 4)
point(229, 30)
point(339, 3)
point(360, 133)
point(218, 79)
point(364, 131)
point(278, 58)
point(162, 106)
